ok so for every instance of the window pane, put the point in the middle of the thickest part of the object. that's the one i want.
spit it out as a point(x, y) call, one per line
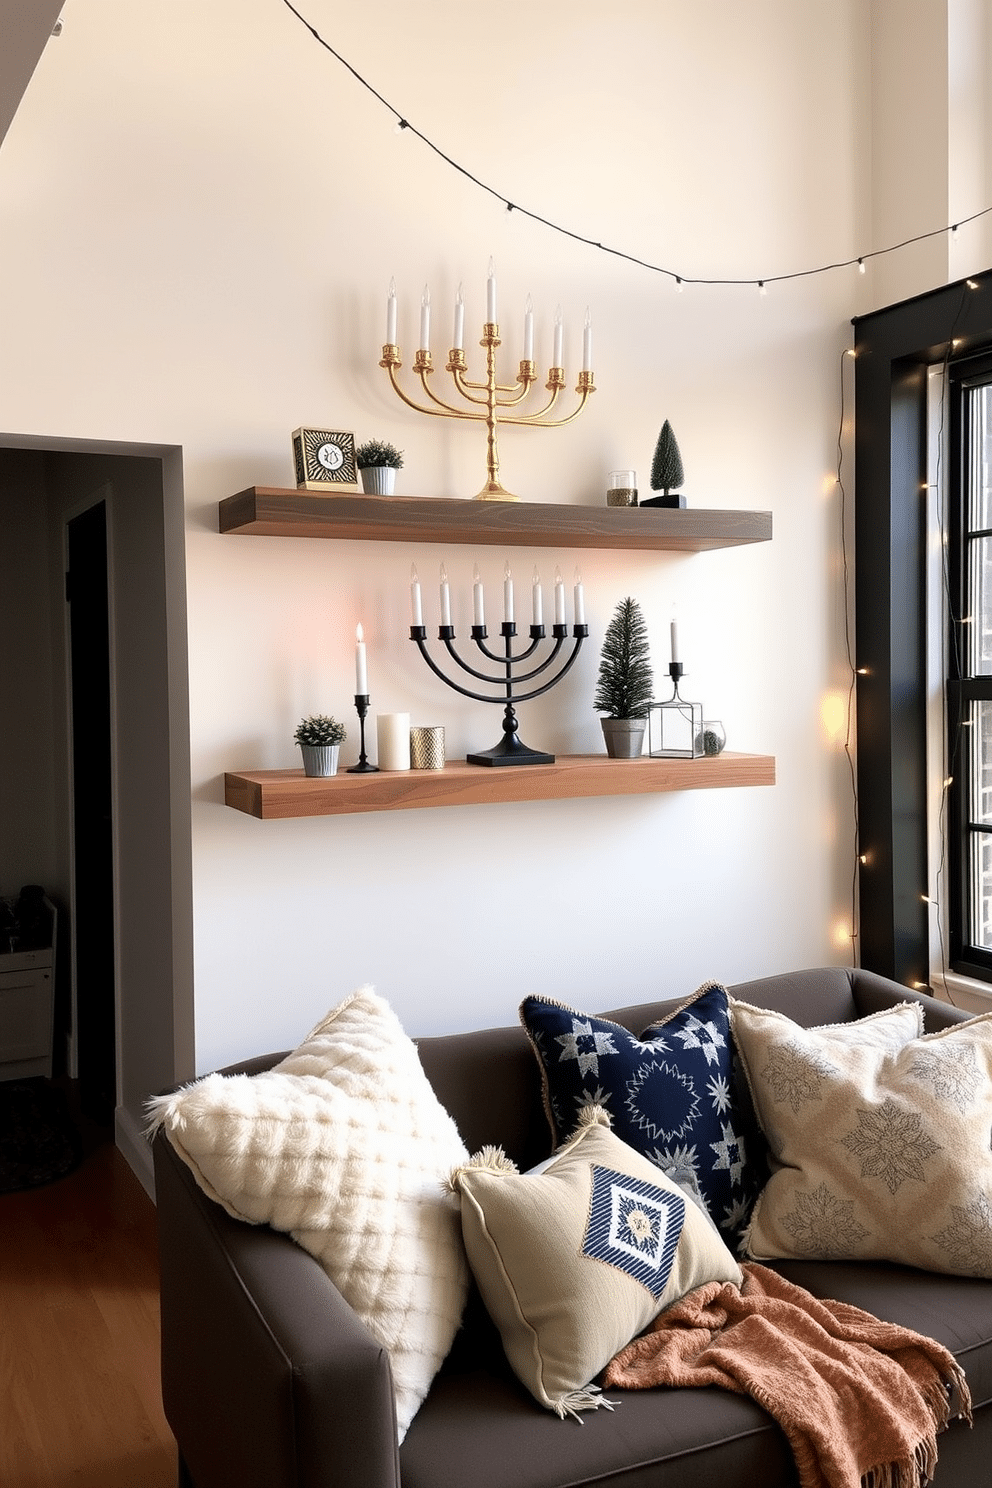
point(979, 631)
point(977, 738)
point(981, 891)
point(980, 469)
point(978, 742)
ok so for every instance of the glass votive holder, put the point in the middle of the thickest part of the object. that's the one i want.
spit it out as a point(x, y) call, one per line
point(427, 748)
point(621, 488)
point(712, 737)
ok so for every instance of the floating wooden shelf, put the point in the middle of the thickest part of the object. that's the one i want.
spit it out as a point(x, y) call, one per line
point(272, 794)
point(267, 511)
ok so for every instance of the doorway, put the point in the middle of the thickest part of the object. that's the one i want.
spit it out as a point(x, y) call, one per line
point(117, 651)
point(92, 834)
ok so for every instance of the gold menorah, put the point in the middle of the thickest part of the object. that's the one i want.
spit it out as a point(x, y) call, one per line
point(492, 397)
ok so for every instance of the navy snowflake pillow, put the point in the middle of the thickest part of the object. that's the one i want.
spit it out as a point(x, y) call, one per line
point(670, 1093)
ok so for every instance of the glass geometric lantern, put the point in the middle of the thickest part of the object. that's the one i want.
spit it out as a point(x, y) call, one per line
point(675, 728)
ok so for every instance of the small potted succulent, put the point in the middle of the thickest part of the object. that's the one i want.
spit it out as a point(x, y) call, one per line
point(378, 461)
point(319, 738)
point(624, 685)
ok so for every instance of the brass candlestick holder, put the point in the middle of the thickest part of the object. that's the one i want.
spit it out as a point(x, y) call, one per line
point(492, 397)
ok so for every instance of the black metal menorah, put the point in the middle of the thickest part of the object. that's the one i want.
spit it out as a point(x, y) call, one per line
point(510, 750)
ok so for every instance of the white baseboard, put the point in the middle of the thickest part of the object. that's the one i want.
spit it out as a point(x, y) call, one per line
point(136, 1148)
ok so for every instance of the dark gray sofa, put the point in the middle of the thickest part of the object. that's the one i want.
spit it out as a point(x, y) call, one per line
point(269, 1380)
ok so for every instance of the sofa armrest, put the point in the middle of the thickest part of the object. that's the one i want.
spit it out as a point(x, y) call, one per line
point(269, 1380)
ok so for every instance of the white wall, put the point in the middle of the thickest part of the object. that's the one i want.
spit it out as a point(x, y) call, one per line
point(201, 211)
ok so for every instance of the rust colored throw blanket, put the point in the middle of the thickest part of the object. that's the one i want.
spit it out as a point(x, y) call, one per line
point(860, 1401)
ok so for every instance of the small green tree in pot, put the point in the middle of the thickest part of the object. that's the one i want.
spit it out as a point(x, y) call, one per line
point(625, 683)
point(666, 470)
point(319, 738)
point(378, 461)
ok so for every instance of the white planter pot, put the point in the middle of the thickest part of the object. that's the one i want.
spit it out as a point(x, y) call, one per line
point(624, 737)
point(320, 759)
point(378, 480)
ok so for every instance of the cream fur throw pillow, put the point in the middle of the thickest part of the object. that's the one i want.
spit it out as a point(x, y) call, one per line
point(878, 1151)
point(345, 1146)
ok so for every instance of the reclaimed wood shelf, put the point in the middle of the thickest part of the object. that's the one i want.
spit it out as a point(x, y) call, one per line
point(269, 511)
point(275, 794)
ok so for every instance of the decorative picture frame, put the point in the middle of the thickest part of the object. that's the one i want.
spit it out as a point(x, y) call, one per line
point(322, 458)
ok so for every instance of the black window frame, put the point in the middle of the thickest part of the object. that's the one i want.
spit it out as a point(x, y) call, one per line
point(894, 349)
point(962, 687)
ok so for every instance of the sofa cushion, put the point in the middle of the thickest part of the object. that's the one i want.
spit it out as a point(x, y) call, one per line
point(575, 1258)
point(670, 1092)
point(344, 1145)
point(878, 1153)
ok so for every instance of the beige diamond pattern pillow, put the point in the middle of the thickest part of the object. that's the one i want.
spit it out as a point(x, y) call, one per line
point(345, 1146)
point(576, 1257)
point(877, 1152)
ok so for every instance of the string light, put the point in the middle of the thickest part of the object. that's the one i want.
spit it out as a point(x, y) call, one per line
point(403, 124)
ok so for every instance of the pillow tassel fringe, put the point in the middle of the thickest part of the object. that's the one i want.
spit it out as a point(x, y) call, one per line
point(590, 1397)
point(488, 1160)
point(593, 1116)
point(157, 1112)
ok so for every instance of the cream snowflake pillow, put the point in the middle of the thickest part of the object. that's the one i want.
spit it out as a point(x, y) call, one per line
point(878, 1152)
point(345, 1146)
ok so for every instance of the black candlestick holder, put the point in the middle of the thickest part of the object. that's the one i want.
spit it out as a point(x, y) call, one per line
point(510, 750)
point(363, 767)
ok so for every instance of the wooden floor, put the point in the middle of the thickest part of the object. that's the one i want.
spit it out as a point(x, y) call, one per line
point(79, 1333)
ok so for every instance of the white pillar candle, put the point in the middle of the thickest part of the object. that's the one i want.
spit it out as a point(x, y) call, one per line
point(529, 331)
point(392, 732)
point(587, 344)
point(445, 597)
point(538, 599)
point(416, 607)
point(491, 294)
point(391, 314)
point(458, 336)
point(425, 320)
point(557, 359)
point(579, 598)
point(361, 671)
point(675, 636)
point(478, 600)
point(559, 598)
point(507, 594)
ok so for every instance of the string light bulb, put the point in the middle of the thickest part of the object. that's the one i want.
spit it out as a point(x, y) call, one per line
point(761, 288)
point(861, 266)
